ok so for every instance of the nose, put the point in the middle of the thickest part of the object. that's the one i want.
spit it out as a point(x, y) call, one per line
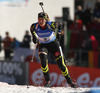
point(41, 21)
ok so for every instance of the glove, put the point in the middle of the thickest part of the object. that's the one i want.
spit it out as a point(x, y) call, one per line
point(58, 36)
point(47, 17)
point(35, 40)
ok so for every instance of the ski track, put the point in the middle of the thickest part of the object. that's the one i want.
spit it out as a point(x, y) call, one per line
point(6, 88)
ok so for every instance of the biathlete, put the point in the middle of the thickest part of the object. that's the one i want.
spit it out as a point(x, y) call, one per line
point(43, 33)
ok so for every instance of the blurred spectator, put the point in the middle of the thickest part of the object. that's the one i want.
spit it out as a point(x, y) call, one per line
point(26, 40)
point(77, 25)
point(0, 43)
point(76, 32)
point(7, 46)
point(90, 44)
point(87, 15)
point(94, 26)
point(79, 12)
point(89, 26)
point(76, 36)
point(15, 43)
point(95, 29)
point(95, 43)
point(98, 24)
point(96, 12)
point(86, 45)
point(94, 22)
point(97, 3)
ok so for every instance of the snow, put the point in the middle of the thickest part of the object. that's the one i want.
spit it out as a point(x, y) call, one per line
point(6, 88)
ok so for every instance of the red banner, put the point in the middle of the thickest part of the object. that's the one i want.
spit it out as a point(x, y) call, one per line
point(85, 77)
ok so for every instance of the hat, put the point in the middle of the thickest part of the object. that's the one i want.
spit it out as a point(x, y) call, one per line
point(42, 15)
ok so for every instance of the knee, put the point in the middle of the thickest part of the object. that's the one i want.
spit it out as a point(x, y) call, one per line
point(43, 57)
point(44, 62)
point(60, 61)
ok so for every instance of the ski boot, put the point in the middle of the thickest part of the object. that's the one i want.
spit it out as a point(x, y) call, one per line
point(69, 81)
point(73, 85)
point(47, 84)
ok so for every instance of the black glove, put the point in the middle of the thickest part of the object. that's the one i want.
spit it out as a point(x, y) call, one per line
point(58, 36)
point(35, 40)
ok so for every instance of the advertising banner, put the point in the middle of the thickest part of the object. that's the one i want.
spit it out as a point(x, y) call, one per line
point(85, 77)
point(25, 55)
point(14, 72)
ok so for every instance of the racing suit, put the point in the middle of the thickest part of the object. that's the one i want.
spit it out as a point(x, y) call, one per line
point(48, 42)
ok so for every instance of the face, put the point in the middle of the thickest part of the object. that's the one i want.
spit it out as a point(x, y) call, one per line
point(41, 21)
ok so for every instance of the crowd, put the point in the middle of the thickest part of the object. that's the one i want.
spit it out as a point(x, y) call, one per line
point(86, 25)
point(90, 17)
point(85, 31)
point(8, 44)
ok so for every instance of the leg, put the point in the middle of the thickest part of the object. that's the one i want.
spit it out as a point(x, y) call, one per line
point(64, 70)
point(6, 55)
point(57, 52)
point(44, 66)
point(60, 62)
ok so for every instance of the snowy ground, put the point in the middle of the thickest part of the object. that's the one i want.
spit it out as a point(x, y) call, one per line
point(6, 88)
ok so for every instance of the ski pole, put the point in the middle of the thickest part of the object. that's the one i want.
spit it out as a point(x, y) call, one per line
point(32, 59)
point(34, 52)
point(41, 4)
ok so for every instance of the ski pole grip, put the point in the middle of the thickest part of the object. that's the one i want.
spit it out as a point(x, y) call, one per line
point(41, 3)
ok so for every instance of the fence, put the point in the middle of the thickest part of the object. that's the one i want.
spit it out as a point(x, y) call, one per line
point(30, 73)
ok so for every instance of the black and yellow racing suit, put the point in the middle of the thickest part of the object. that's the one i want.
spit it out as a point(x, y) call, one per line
point(48, 42)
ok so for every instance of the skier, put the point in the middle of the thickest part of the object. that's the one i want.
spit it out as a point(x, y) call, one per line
point(45, 33)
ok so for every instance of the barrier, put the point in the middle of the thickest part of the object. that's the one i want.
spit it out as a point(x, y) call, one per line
point(99, 61)
point(85, 77)
point(93, 59)
point(90, 59)
point(14, 72)
point(31, 73)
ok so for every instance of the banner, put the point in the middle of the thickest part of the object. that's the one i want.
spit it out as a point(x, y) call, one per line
point(25, 55)
point(36, 76)
point(31, 73)
point(14, 73)
point(85, 77)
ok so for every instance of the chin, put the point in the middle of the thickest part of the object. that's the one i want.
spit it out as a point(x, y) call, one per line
point(42, 25)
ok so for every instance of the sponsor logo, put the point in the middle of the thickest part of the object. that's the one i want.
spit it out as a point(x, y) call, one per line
point(41, 34)
point(56, 79)
point(84, 80)
point(57, 53)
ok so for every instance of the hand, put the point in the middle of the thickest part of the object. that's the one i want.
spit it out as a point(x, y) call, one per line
point(35, 40)
point(47, 17)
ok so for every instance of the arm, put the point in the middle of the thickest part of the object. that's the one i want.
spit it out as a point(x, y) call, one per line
point(56, 27)
point(32, 30)
point(48, 19)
